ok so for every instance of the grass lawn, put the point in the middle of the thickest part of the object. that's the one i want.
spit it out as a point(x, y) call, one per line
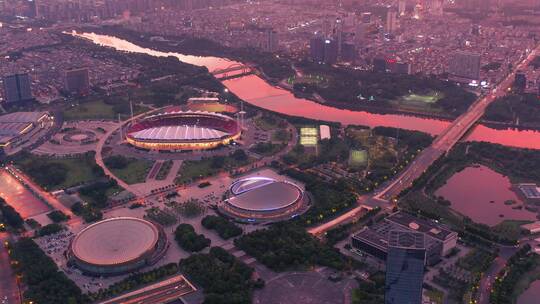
point(96, 109)
point(320, 80)
point(192, 170)
point(111, 191)
point(164, 170)
point(195, 169)
point(380, 150)
point(135, 172)
point(267, 123)
point(358, 158)
point(78, 170)
point(425, 102)
point(267, 149)
point(429, 98)
point(281, 135)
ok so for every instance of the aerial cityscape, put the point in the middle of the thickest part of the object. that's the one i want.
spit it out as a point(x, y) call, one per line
point(270, 151)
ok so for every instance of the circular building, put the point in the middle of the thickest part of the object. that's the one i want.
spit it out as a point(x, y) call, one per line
point(256, 199)
point(117, 245)
point(179, 130)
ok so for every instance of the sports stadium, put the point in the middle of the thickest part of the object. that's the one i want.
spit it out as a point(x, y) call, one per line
point(262, 199)
point(117, 245)
point(183, 130)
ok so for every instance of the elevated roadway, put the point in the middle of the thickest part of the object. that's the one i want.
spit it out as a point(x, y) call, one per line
point(442, 144)
point(449, 137)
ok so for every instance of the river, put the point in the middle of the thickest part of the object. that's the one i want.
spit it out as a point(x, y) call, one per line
point(255, 90)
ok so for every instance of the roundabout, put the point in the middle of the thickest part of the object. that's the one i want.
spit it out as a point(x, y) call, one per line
point(79, 136)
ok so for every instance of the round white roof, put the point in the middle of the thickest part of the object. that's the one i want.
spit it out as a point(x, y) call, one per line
point(115, 241)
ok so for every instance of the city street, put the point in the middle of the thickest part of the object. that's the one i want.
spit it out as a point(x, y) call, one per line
point(441, 145)
point(9, 290)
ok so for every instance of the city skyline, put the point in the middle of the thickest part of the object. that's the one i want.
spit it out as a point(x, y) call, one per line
point(278, 151)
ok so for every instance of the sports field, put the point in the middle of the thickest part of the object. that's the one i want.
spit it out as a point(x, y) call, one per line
point(419, 102)
point(358, 158)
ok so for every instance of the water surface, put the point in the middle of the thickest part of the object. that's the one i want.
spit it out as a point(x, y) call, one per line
point(531, 295)
point(480, 193)
point(255, 90)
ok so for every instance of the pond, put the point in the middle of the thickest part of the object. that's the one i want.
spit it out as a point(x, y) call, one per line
point(484, 195)
point(531, 295)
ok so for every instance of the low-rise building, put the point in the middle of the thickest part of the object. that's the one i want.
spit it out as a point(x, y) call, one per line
point(373, 240)
point(16, 127)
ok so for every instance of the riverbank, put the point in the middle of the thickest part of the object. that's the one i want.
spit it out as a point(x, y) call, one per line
point(273, 67)
point(520, 110)
point(258, 92)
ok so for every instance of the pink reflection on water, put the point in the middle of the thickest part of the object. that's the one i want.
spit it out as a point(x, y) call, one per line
point(531, 295)
point(472, 190)
point(257, 91)
point(508, 137)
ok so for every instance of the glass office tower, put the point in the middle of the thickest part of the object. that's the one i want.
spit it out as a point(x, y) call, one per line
point(405, 267)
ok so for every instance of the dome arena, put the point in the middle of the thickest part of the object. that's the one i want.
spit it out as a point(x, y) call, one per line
point(257, 199)
point(183, 130)
point(117, 245)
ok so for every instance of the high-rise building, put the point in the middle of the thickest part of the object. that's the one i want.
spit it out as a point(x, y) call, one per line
point(434, 7)
point(77, 81)
point(476, 29)
point(316, 48)
point(417, 14)
point(379, 64)
point(331, 51)
point(338, 34)
point(520, 82)
point(348, 52)
point(404, 267)
point(189, 5)
point(366, 17)
point(323, 50)
point(402, 7)
point(271, 41)
point(360, 34)
point(392, 23)
point(465, 65)
point(17, 88)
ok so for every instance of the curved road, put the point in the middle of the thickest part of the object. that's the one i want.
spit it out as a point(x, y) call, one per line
point(101, 144)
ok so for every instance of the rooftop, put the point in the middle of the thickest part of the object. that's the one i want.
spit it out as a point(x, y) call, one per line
point(266, 196)
point(115, 241)
point(183, 132)
point(430, 228)
point(22, 117)
point(530, 191)
point(406, 239)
